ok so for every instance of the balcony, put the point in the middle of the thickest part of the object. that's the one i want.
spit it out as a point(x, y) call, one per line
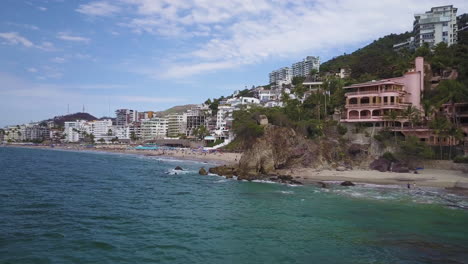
point(379, 105)
point(377, 92)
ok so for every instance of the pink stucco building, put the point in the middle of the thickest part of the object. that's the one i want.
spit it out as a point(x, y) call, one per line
point(369, 102)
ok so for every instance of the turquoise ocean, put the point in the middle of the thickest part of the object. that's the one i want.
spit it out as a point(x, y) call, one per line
point(87, 207)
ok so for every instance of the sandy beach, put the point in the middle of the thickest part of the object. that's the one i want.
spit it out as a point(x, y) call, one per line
point(426, 177)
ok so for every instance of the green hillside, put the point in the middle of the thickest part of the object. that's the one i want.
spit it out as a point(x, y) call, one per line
point(374, 61)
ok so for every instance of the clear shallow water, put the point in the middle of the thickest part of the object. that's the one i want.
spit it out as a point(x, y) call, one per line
point(70, 207)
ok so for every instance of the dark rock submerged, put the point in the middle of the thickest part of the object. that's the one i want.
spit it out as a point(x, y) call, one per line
point(202, 171)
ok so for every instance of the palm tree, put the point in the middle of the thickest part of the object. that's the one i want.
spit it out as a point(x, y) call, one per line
point(392, 116)
point(440, 125)
point(412, 114)
point(454, 133)
point(428, 109)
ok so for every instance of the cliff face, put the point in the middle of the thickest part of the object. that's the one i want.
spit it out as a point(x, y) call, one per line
point(274, 150)
point(281, 148)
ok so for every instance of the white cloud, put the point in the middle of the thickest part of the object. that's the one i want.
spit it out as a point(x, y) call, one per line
point(42, 8)
point(68, 37)
point(27, 26)
point(58, 60)
point(32, 69)
point(242, 32)
point(100, 8)
point(14, 38)
point(47, 46)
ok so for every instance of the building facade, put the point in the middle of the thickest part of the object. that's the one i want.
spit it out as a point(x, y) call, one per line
point(176, 125)
point(370, 102)
point(435, 26)
point(124, 117)
point(155, 128)
point(303, 68)
point(283, 75)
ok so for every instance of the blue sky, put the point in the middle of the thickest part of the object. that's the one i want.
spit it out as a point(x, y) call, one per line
point(154, 54)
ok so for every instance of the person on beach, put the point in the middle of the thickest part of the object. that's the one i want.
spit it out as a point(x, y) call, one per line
point(409, 185)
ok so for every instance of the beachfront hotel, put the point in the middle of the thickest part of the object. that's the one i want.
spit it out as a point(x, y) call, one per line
point(370, 102)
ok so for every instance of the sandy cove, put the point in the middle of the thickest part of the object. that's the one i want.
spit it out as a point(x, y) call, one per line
point(426, 177)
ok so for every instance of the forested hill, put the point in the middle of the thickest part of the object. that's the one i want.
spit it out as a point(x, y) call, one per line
point(60, 120)
point(374, 61)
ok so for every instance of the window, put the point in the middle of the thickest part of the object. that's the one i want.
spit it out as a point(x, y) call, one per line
point(445, 24)
point(445, 33)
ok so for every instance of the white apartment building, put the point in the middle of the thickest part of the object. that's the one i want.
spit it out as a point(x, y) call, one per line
point(435, 26)
point(73, 130)
point(101, 129)
point(176, 124)
point(154, 128)
point(14, 133)
point(303, 68)
point(283, 75)
point(238, 102)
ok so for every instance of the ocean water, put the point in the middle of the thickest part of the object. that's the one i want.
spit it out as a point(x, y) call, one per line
point(77, 207)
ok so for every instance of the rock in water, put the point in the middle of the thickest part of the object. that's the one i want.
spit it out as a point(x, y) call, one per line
point(202, 171)
point(321, 185)
point(178, 168)
point(347, 183)
point(226, 171)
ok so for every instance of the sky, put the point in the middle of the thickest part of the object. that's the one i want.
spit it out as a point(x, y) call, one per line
point(154, 54)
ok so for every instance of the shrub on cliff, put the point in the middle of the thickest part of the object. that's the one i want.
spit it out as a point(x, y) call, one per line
point(461, 159)
point(412, 149)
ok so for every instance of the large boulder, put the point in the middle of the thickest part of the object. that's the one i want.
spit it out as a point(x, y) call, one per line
point(226, 171)
point(178, 168)
point(347, 183)
point(380, 164)
point(202, 171)
point(399, 167)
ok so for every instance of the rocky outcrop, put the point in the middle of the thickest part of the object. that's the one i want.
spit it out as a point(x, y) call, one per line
point(383, 165)
point(399, 167)
point(276, 149)
point(227, 171)
point(178, 168)
point(282, 148)
point(347, 183)
point(285, 179)
point(202, 171)
point(380, 164)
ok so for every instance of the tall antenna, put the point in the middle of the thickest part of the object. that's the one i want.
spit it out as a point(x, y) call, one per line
point(83, 109)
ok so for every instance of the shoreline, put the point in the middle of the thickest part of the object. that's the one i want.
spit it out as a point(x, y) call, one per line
point(219, 159)
point(437, 178)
